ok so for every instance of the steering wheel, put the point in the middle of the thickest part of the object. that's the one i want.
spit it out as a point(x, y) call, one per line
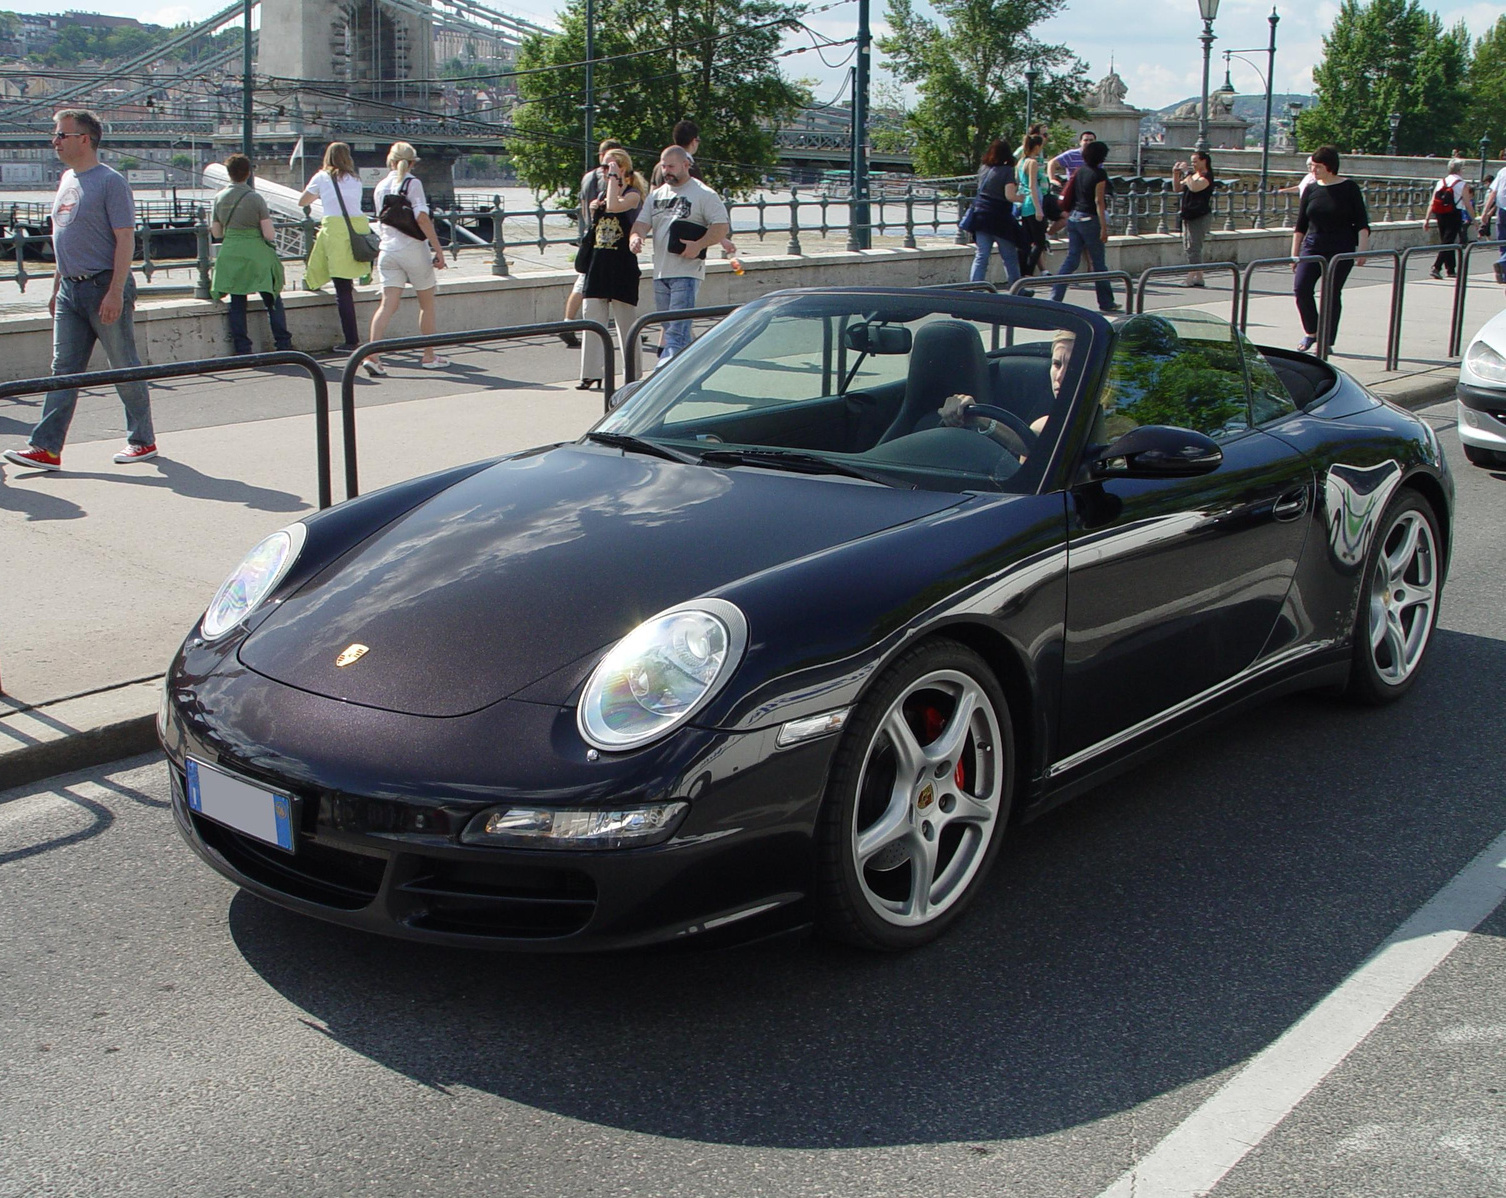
point(1009, 430)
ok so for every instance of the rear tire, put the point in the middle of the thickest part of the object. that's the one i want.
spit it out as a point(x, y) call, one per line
point(1399, 596)
point(917, 801)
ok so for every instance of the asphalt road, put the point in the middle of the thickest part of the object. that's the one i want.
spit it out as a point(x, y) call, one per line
point(164, 1034)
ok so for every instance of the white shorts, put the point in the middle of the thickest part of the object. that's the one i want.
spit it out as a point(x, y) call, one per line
point(413, 263)
point(580, 285)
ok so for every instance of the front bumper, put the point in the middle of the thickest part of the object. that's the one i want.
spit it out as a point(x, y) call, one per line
point(380, 800)
point(1482, 416)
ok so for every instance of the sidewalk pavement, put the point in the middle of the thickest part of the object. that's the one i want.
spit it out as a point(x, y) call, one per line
point(110, 566)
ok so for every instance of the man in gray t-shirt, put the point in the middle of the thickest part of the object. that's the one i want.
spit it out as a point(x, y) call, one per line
point(93, 296)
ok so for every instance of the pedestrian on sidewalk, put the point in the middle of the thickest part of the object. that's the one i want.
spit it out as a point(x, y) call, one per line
point(93, 294)
point(592, 186)
point(1449, 207)
point(685, 219)
point(990, 217)
point(410, 253)
point(1494, 205)
point(608, 264)
point(1032, 207)
point(1088, 224)
point(1194, 187)
point(247, 263)
point(337, 186)
point(1332, 220)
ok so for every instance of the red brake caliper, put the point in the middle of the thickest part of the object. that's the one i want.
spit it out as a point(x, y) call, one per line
point(932, 723)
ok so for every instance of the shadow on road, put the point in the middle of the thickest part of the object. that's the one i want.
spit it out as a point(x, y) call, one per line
point(1144, 937)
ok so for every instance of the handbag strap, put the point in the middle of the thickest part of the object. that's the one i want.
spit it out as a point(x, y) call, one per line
point(234, 206)
point(344, 211)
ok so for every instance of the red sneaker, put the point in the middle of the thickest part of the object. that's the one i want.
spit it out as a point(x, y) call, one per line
point(137, 453)
point(37, 459)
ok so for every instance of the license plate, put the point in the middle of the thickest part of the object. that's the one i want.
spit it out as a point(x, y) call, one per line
point(241, 805)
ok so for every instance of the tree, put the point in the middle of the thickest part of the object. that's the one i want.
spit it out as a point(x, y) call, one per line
point(1384, 57)
point(1487, 89)
point(710, 60)
point(970, 72)
point(183, 162)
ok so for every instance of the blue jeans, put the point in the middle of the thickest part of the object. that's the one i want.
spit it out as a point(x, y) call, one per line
point(75, 329)
point(1009, 252)
point(276, 317)
point(671, 295)
point(1085, 237)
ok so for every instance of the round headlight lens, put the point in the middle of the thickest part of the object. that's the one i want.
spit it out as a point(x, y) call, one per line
point(1485, 363)
point(660, 673)
point(252, 581)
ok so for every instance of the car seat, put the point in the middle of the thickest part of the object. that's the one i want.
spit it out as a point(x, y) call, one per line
point(946, 358)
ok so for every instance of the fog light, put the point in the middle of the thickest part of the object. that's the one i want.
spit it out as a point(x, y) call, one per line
point(553, 828)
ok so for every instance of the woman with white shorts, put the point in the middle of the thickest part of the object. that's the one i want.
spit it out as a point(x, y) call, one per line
point(410, 253)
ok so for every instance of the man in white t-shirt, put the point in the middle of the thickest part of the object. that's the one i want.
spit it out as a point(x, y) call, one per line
point(1297, 188)
point(1450, 208)
point(1494, 204)
point(678, 273)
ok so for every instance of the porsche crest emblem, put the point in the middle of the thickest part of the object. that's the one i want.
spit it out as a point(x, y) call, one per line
point(926, 797)
point(351, 655)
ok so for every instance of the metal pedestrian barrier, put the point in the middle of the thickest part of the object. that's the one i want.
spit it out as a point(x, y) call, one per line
point(178, 370)
point(441, 340)
point(1399, 297)
point(1461, 285)
point(1079, 279)
point(1328, 303)
point(1265, 264)
point(635, 332)
point(1189, 268)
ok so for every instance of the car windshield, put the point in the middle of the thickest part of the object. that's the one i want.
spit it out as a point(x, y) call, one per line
point(950, 391)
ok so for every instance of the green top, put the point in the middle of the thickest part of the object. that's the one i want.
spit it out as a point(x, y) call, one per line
point(236, 213)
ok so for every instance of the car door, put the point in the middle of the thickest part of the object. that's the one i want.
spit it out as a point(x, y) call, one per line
point(1174, 584)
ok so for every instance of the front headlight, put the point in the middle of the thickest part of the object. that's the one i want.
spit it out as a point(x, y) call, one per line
point(252, 581)
point(661, 673)
point(1485, 363)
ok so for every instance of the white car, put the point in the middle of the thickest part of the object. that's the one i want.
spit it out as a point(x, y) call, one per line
point(1482, 395)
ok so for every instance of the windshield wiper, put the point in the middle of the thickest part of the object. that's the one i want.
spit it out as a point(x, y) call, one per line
point(786, 459)
point(640, 445)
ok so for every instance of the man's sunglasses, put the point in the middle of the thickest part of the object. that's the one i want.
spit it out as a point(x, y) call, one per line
point(61, 136)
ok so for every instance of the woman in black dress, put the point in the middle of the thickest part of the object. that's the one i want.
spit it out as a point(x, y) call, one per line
point(611, 271)
point(1332, 220)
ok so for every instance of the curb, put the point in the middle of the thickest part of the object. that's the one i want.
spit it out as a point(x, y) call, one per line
point(78, 733)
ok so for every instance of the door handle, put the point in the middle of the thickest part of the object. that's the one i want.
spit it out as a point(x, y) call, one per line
point(1291, 505)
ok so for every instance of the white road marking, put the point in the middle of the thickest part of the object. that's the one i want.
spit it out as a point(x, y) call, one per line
point(1199, 1151)
point(1465, 1033)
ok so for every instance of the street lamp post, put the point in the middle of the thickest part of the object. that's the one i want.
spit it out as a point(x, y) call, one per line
point(1484, 150)
point(246, 84)
point(1269, 79)
point(1395, 125)
point(1031, 76)
point(1209, 10)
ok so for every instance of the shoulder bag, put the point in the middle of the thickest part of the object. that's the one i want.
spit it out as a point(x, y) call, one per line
point(397, 212)
point(364, 247)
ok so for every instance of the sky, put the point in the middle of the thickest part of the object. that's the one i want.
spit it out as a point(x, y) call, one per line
point(1153, 44)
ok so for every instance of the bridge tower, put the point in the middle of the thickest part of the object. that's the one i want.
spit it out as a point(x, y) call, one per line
point(375, 54)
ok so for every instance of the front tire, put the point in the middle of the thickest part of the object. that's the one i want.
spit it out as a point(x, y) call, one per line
point(919, 794)
point(1399, 596)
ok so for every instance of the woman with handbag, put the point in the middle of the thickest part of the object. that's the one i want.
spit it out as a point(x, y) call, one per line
point(247, 263)
point(609, 267)
point(410, 253)
point(990, 219)
point(345, 237)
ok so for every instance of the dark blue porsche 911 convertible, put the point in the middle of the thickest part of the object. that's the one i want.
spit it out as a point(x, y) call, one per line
point(800, 627)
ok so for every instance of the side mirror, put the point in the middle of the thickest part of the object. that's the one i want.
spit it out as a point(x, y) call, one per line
point(1158, 451)
point(878, 338)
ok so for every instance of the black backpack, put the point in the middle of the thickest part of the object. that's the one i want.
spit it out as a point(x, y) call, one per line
point(397, 212)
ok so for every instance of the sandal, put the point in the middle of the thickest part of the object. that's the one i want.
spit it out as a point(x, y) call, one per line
point(587, 384)
point(375, 369)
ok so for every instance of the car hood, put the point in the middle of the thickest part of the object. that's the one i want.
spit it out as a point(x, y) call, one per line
point(539, 560)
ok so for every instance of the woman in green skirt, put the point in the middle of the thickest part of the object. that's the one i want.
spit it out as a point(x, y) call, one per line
point(248, 263)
